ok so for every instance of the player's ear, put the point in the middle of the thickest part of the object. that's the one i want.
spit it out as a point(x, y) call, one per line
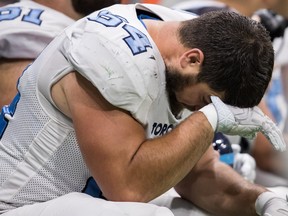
point(191, 58)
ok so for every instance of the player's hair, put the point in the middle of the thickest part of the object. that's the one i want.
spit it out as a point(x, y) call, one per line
point(86, 7)
point(238, 55)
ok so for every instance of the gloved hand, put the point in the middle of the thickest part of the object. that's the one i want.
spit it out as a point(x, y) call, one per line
point(244, 163)
point(246, 122)
point(269, 204)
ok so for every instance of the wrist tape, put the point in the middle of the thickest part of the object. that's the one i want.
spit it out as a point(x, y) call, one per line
point(211, 114)
point(262, 200)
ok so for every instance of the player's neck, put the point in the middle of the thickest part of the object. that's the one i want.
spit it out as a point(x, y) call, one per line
point(158, 30)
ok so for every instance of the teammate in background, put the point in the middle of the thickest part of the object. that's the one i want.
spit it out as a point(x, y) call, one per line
point(266, 157)
point(27, 27)
point(106, 98)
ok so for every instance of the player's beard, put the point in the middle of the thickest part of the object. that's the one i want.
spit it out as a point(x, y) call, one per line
point(175, 82)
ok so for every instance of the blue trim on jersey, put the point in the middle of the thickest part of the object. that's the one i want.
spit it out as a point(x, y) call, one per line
point(227, 158)
point(93, 189)
point(145, 16)
point(142, 16)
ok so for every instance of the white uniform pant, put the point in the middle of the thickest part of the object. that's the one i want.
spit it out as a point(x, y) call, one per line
point(79, 204)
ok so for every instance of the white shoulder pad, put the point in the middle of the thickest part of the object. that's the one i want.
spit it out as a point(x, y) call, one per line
point(166, 14)
point(186, 5)
point(113, 50)
point(27, 27)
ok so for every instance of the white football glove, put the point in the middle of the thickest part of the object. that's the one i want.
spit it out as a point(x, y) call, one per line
point(246, 122)
point(244, 163)
point(269, 204)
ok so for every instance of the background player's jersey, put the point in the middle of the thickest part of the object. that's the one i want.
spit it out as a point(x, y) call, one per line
point(113, 50)
point(27, 27)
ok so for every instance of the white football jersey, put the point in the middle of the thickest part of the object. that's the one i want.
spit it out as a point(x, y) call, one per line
point(39, 155)
point(27, 27)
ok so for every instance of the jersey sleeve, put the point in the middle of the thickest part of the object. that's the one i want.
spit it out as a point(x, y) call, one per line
point(126, 80)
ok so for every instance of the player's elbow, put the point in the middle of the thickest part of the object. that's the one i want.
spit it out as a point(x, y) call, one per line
point(206, 167)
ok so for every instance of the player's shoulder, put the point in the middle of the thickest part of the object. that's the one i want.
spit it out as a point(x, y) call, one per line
point(29, 14)
point(27, 27)
point(164, 13)
point(113, 50)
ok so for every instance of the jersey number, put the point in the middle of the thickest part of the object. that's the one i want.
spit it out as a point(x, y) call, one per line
point(136, 40)
point(11, 13)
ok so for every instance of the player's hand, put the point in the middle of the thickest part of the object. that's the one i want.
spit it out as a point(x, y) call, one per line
point(244, 163)
point(247, 122)
point(269, 204)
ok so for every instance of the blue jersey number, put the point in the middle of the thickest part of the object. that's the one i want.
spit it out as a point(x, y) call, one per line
point(11, 13)
point(136, 40)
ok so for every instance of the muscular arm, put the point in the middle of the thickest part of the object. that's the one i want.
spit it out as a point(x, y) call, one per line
point(125, 164)
point(217, 188)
